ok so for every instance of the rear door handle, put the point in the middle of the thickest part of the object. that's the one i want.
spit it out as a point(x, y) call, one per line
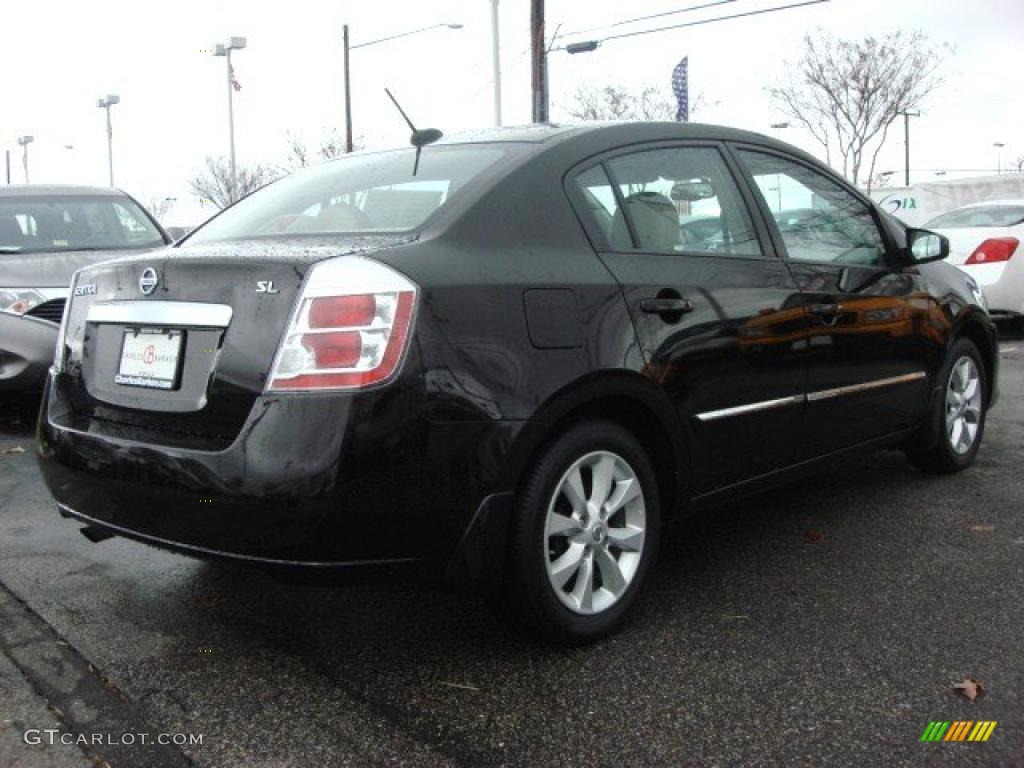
point(666, 306)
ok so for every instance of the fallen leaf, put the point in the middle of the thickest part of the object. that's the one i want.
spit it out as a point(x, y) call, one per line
point(206, 601)
point(970, 689)
point(981, 528)
point(15, 449)
point(813, 537)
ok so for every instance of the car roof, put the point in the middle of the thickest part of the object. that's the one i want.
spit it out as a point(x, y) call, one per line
point(57, 190)
point(634, 129)
point(600, 136)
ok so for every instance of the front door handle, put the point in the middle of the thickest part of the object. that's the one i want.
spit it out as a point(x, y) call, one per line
point(677, 306)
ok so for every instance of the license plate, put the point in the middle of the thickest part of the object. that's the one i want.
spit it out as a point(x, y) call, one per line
point(149, 358)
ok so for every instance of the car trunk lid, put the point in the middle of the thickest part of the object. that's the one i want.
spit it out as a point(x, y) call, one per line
point(179, 342)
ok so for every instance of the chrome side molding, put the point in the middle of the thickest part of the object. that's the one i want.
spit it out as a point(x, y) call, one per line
point(185, 314)
point(810, 397)
point(739, 410)
point(824, 394)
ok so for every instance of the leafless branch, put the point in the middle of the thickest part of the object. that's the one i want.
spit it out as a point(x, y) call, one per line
point(847, 93)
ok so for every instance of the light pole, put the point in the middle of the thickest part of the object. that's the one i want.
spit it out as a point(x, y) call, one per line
point(538, 63)
point(107, 103)
point(907, 114)
point(234, 44)
point(999, 155)
point(348, 87)
point(496, 61)
point(24, 141)
point(778, 176)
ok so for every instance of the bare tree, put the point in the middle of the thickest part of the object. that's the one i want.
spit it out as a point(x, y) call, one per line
point(159, 206)
point(847, 93)
point(617, 102)
point(1018, 164)
point(213, 183)
point(332, 145)
point(880, 180)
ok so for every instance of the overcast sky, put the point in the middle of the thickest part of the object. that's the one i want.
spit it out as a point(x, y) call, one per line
point(59, 56)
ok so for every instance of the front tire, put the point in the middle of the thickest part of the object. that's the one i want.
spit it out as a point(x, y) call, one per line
point(951, 438)
point(585, 529)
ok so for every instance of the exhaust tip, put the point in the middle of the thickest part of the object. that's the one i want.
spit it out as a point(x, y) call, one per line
point(95, 535)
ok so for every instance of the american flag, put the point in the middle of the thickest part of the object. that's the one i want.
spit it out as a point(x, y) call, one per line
point(234, 81)
point(681, 87)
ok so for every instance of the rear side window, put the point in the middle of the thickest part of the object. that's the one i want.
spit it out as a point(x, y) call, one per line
point(359, 194)
point(979, 216)
point(679, 199)
point(818, 219)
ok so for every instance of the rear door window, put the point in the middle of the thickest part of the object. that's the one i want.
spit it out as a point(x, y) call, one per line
point(675, 199)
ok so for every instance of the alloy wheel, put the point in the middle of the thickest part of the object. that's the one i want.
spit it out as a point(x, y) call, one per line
point(594, 532)
point(963, 405)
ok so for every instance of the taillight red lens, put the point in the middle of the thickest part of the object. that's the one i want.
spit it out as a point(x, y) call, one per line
point(350, 329)
point(342, 311)
point(994, 249)
point(341, 349)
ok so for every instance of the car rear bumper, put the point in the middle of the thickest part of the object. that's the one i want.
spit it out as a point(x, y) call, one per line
point(26, 351)
point(324, 480)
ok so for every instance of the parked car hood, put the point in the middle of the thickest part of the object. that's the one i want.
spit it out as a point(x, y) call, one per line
point(51, 270)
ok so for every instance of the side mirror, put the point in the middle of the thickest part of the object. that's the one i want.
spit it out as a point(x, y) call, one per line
point(924, 246)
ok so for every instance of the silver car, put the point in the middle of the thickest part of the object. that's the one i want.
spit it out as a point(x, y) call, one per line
point(46, 234)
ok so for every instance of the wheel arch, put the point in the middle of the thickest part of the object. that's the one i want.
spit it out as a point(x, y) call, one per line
point(978, 329)
point(626, 398)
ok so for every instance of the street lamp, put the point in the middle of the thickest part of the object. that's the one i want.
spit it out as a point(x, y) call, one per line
point(585, 47)
point(107, 103)
point(907, 114)
point(496, 61)
point(999, 155)
point(778, 176)
point(234, 44)
point(348, 47)
point(24, 141)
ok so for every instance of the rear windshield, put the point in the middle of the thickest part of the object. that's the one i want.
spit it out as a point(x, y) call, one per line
point(358, 194)
point(979, 216)
point(49, 224)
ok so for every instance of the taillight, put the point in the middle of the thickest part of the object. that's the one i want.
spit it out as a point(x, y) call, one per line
point(59, 352)
point(994, 249)
point(350, 328)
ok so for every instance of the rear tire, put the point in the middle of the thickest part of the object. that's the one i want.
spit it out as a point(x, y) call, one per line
point(585, 529)
point(950, 439)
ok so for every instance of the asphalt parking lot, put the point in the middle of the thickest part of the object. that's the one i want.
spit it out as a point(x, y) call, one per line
point(823, 624)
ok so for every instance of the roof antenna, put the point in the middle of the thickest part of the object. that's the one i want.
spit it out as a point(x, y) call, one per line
point(420, 137)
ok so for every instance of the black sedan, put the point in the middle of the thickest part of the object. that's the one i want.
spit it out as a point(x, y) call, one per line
point(501, 362)
point(46, 233)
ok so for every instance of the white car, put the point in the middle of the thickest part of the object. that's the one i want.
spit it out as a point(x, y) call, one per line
point(984, 241)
